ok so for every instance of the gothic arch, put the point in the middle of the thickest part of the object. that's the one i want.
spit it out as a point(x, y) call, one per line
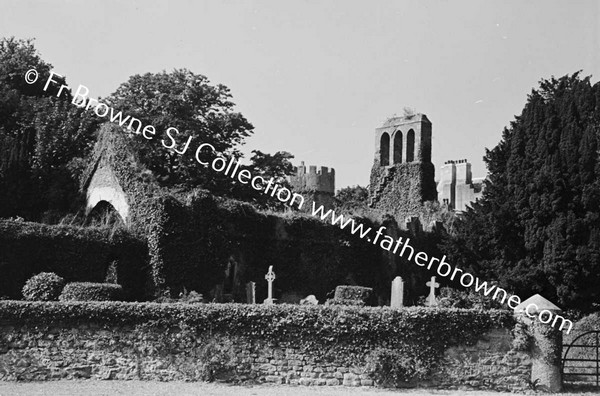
point(104, 213)
point(410, 146)
point(398, 147)
point(104, 187)
point(384, 150)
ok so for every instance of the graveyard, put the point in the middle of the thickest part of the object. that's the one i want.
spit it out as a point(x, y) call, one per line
point(275, 299)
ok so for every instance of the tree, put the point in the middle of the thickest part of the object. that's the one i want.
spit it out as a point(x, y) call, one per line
point(199, 112)
point(537, 227)
point(352, 198)
point(43, 138)
point(276, 166)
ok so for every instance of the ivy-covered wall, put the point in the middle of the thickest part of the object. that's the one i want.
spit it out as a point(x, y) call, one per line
point(208, 241)
point(401, 189)
point(74, 253)
point(304, 345)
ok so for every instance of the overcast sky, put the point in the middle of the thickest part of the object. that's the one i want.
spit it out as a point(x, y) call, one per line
point(317, 77)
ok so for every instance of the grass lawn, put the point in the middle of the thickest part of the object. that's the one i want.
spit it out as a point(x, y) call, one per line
point(144, 388)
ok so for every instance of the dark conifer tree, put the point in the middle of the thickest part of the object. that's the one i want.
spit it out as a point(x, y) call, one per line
point(537, 227)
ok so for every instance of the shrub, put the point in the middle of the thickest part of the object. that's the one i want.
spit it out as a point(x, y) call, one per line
point(87, 291)
point(392, 367)
point(45, 286)
point(454, 298)
point(216, 359)
point(191, 297)
point(357, 293)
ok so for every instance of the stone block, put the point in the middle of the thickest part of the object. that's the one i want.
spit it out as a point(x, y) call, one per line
point(349, 378)
point(333, 382)
point(307, 381)
point(275, 379)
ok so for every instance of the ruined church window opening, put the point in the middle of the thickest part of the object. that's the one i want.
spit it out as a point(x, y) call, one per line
point(384, 150)
point(398, 147)
point(410, 146)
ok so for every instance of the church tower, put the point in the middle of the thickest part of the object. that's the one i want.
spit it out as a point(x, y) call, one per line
point(402, 177)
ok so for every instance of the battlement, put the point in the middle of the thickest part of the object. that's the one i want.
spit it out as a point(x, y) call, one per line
point(312, 169)
point(461, 161)
point(320, 180)
point(456, 171)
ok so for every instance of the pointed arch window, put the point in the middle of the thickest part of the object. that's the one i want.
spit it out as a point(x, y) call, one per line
point(410, 146)
point(398, 147)
point(384, 150)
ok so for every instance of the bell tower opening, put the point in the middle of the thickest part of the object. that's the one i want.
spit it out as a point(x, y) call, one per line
point(384, 150)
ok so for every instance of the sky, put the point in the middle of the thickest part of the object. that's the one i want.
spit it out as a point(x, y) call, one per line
point(316, 78)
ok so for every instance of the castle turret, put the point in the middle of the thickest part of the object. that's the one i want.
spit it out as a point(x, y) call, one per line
point(315, 185)
point(402, 177)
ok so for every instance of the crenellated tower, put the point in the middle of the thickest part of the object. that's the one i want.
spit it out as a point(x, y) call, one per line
point(402, 177)
point(315, 185)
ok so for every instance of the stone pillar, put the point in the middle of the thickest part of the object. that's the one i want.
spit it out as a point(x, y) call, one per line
point(546, 347)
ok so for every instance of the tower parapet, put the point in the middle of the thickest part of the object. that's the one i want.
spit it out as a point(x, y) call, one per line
point(315, 184)
point(322, 180)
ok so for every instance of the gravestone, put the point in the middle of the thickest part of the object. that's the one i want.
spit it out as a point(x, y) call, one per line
point(251, 292)
point(270, 277)
point(397, 299)
point(431, 300)
point(309, 300)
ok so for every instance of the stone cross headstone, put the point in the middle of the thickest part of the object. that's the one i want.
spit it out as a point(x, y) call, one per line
point(397, 299)
point(431, 301)
point(270, 277)
point(251, 293)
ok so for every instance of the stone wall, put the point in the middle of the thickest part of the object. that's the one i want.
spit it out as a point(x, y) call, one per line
point(29, 352)
point(489, 364)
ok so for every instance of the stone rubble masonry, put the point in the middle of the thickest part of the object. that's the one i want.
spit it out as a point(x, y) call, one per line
point(32, 353)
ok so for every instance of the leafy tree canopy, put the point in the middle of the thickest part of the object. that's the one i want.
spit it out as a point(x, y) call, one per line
point(276, 166)
point(537, 227)
point(200, 112)
point(42, 138)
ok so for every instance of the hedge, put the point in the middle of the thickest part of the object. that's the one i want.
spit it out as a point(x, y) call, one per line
point(73, 253)
point(88, 291)
point(277, 321)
